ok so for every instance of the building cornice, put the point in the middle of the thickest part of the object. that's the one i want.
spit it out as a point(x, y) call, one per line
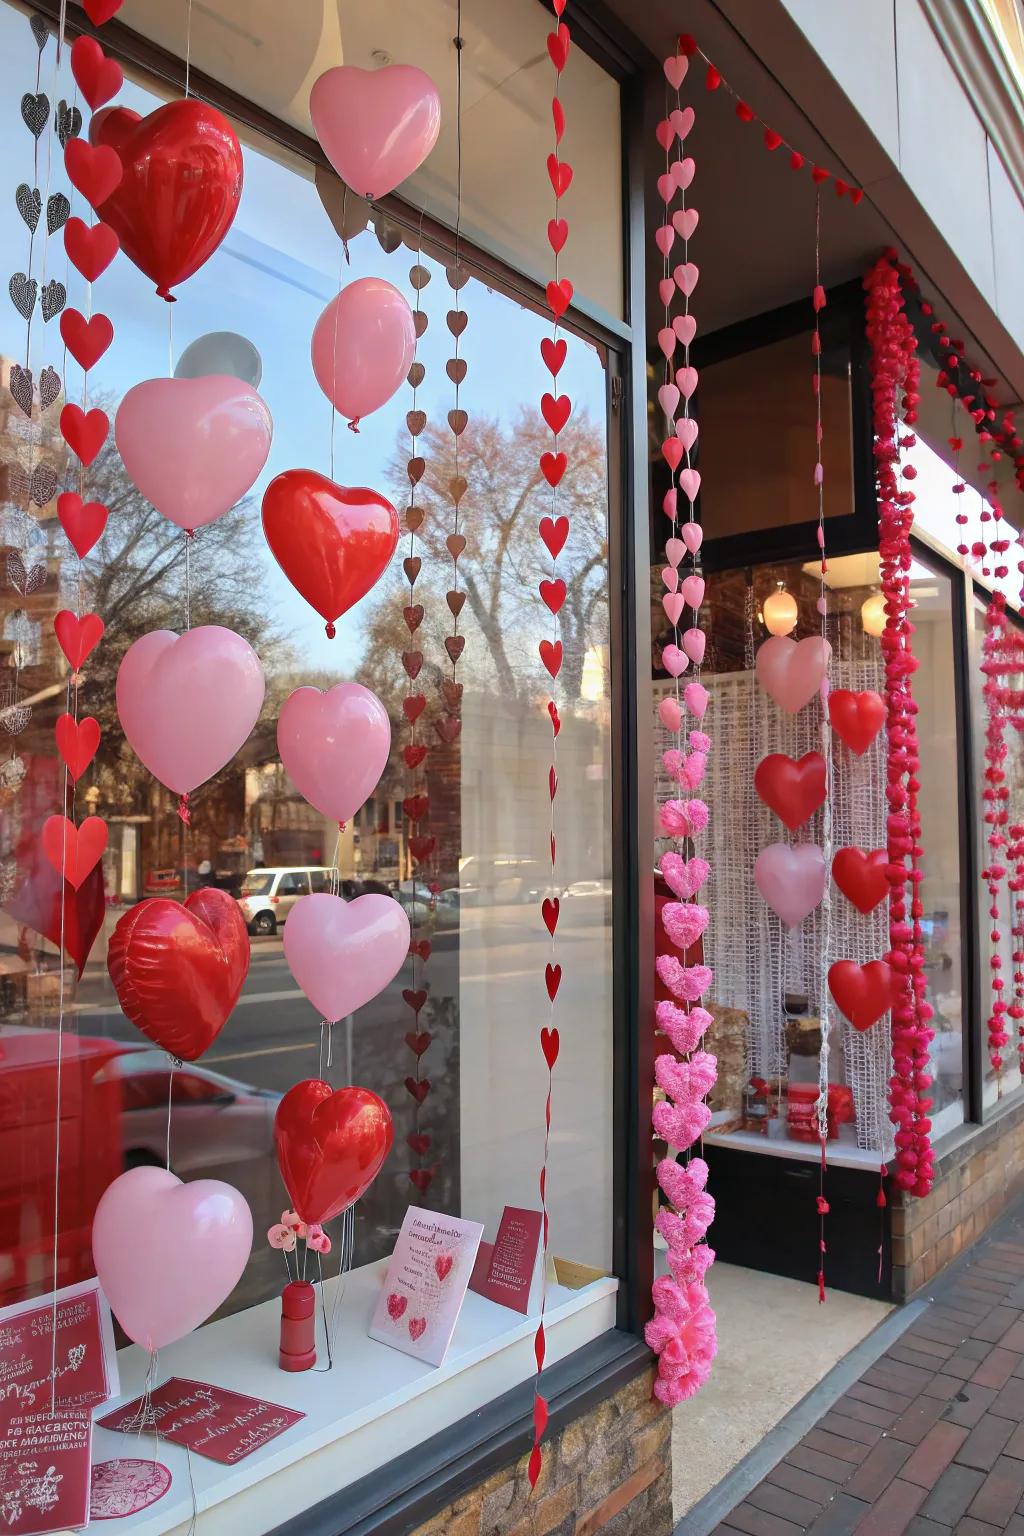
point(969, 42)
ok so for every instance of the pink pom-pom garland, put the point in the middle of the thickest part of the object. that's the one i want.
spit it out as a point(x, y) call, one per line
point(682, 1332)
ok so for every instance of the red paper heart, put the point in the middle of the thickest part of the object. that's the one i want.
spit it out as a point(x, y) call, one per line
point(856, 718)
point(90, 250)
point(333, 543)
point(553, 352)
point(77, 637)
point(557, 110)
point(330, 1146)
point(549, 910)
point(861, 876)
point(99, 78)
point(414, 998)
point(559, 175)
point(99, 11)
point(558, 234)
point(77, 742)
point(552, 979)
point(414, 754)
point(443, 1265)
point(556, 412)
point(422, 1178)
point(86, 340)
point(819, 174)
point(558, 46)
point(93, 169)
point(863, 993)
point(417, 1089)
point(416, 806)
point(556, 723)
point(47, 904)
point(552, 782)
point(396, 1306)
point(84, 434)
point(559, 296)
point(417, 1325)
point(551, 655)
point(793, 789)
point(418, 1043)
point(419, 1141)
point(82, 521)
point(549, 1045)
point(421, 847)
point(553, 466)
point(74, 851)
point(554, 532)
point(553, 593)
point(772, 140)
point(180, 189)
point(178, 969)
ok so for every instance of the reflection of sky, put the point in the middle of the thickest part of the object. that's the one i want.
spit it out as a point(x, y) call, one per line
point(277, 268)
point(935, 512)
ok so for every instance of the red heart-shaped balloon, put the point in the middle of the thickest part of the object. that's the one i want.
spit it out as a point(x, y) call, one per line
point(82, 521)
point(330, 1146)
point(178, 968)
point(863, 993)
point(52, 907)
point(856, 718)
point(793, 788)
point(861, 876)
point(332, 542)
point(77, 741)
point(180, 185)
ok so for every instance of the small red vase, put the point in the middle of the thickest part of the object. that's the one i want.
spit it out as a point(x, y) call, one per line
point(298, 1326)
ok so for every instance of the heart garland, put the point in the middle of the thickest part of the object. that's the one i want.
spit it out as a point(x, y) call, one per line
point(449, 723)
point(681, 1308)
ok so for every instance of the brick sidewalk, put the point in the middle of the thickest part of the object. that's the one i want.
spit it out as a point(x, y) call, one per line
point(930, 1440)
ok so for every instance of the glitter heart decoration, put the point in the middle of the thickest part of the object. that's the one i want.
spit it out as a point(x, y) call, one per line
point(58, 211)
point(35, 112)
point(69, 123)
point(20, 386)
point(24, 291)
point(29, 204)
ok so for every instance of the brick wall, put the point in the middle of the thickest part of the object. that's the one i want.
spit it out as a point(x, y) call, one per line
point(974, 1183)
point(609, 1471)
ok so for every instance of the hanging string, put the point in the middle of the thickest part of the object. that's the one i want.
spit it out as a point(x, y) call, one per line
point(188, 45)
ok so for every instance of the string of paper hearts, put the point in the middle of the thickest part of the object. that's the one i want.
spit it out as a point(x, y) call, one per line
point(449, 724)
point(554, 531)
point(714, 80)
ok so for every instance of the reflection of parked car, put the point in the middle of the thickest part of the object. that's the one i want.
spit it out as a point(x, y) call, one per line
point(589, 901)
point(499, 879)
point(268, 895)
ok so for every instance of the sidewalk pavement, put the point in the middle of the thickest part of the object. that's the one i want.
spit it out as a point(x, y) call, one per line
point(930, 1440)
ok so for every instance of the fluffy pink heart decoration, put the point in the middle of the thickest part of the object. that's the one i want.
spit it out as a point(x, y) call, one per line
point(699, 741)
point(680, 1124)
point(684, 877)
point(692, 769)
point(695, 697)
point(686, 1079)
point(678, 1025)
point(675, 549)
point(674, 660)
point(683, 818)
point(693, 536)
point(684, 922)
point(689, 1266)
point(670, 715)
point(688, 982)
point(694, 640)
point(672, 762)
point(675, 1180)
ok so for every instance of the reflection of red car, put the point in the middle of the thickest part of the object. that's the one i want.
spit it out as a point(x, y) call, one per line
point(113, 1115)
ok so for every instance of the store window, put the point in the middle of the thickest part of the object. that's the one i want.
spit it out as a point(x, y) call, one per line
point(251, 834)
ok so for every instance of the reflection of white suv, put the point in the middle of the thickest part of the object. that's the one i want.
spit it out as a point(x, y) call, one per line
point(268, 895)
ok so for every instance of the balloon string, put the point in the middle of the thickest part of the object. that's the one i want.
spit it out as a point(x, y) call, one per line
point(188, 45)
point(170, 1100)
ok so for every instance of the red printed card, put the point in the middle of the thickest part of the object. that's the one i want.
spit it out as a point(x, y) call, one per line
point(212, 1421)
point(44, 1472)
point(506, 1270)
point(85, 1359)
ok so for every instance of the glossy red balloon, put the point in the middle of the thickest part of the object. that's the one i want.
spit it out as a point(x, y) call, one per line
point(861, 876)
point(180, 187)
point(330, 1146)
point(37, 901)
point(856, 718)
point(862, 992)
point(794, 788)
point(332, 542)
point(178, 968)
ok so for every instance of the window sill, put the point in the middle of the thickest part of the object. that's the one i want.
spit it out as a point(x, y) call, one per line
point(375, 1405)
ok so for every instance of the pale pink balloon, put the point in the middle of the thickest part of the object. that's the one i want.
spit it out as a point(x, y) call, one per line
point(193, 447)
point(334, 746)
point(791, 878)
point(376, 126)
point(791, 671)
point(342, 953)
point(188, 702)
point(363, 346)
point(168, 1254)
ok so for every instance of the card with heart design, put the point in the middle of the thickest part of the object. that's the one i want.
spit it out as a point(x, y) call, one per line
point(425, 1284)
point(85, 1354)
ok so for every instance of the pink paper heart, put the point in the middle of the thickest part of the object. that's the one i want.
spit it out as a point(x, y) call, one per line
point(673, 604)
point(684, 877)
point(675, 69)
point(686, 431)
point(681, 121)
point(674, 661)
point(684, 922)
point(693, 644)
point(791, 671)
point(686, 378)
point(689, 483)
point(669, 502)
point(695, 697)
point(791, 878)
point(685, 276)
point(685, 327)
point(693, 536)
point(675, 549)
point(664, 238)
point(670, 576)
point(682, 173)
point(665, 133)
point(667, 340)
point(666, 290)
point(670, 715)
point(693, 592)
point(685, 221)
point(666, 187)
point(668, 398)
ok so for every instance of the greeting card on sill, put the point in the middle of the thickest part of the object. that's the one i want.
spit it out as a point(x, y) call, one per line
point(508, 1270)
point(426, 1283)
point(44, 1471)
point(85, 1358)
point(213, 1421)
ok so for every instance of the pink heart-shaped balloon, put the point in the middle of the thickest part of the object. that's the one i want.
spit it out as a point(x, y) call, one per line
point(791, 671)
point(686, 378)
point(376, 126)
point(193, 447)
point(689, 483)
point(693, 645)
point(334, 746)
point(693, 591)
point(681, 121)
point(686, 431)
point(693, 536)
point(673, 605)
point(674, 660)
point(666, 187)
point(188, 702)
point(666, 290)
point(684, 876)
point(168, 1254)
point(791, 878)
point(343, 953)
point(685, 327)
point(685, 221)
point(668, 398)
point(675, 549)
point(670, 715)
point(686, 275)
point(670, 576)
point(696, 697)
point(682, 172)
point(664, 238)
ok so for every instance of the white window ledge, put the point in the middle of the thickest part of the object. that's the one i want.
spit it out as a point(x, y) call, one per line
point(374, 1405)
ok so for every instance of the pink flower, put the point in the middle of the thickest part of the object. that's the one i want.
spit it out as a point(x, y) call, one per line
point(281, 1236)
point(318, 1240)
